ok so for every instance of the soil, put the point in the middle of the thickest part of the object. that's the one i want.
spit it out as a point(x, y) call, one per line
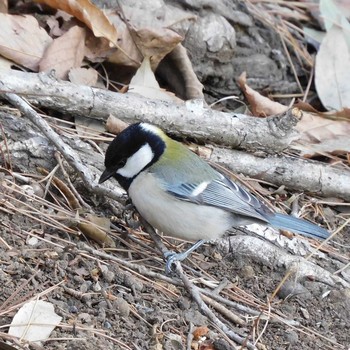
point(105, 305)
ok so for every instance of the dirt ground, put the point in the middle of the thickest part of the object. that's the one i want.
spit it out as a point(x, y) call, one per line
point(105, 305)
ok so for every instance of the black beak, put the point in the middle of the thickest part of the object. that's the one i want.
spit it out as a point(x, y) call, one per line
point(106, 175)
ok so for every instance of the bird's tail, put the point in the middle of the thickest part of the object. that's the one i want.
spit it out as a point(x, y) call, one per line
point(303, 227)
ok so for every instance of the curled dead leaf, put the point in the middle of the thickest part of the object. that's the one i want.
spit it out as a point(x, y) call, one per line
point(88, 13)
point(97, 228)
point(114, 125)
point(261, 106)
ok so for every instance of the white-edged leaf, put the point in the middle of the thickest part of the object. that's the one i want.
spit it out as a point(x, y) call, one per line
point(313, 36)
point(330, 13)
point(34, 321)
point(145, 83)
point(332, 70)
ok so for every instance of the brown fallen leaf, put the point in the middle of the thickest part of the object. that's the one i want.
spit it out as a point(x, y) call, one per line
point(54, 25)
point(88, 13)
point(147, 30)
point(3, 6)
point(88, 127)
point(64, 53)
point(22, 40)
point(5, 64)
point(114, 125)
point(316, 128)
point(261, 106)
point(97, 228)
point(200, 332)
point(322, 135)
point(83, 76)
point(177, 64)
point(126, 42)
point(155, 42)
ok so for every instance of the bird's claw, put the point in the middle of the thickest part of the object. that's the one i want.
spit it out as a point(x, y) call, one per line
point(170, 259)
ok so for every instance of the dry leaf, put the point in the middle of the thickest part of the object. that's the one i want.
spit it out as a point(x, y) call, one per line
point(22, 40)
point(5, 64)
point(89, 14)
point(261, 106)
point(144, 83)
point(207, 346)
point(322, 135)
point(34, 321)
point(178, 63)
point(149, 33)
point(54, 25)
point(83, 76)
point(114, 125)
point(316, 129)
point(88, 127)
point(3, 6)
point(65, 52)
point(333, 11)
point(97, 228)
point(336, 147)
point(97, 49)
point(148, 30)
point(200, 332)
point(332, 70)
point(155, 43)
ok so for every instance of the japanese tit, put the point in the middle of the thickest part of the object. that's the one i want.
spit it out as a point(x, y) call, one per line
point(183, 196)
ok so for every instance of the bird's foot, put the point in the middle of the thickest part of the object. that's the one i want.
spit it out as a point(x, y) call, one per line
point(171, 257)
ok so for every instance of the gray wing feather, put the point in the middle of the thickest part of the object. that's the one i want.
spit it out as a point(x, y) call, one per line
point(225, 194)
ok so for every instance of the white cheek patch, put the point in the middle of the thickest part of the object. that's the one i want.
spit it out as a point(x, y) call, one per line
point(137, 162)
point(199, 189)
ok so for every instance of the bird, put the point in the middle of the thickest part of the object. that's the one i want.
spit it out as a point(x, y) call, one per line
point(181, 195)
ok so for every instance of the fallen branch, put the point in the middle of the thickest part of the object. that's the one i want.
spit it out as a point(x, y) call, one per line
point(190, 119)
point(69, 154)
point(298, 174)
point(295, 173)
point(268, 254)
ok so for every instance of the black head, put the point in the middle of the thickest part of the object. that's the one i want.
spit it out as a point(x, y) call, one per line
point(133, 150)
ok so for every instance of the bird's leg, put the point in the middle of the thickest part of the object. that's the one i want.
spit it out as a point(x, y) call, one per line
point(171, 257)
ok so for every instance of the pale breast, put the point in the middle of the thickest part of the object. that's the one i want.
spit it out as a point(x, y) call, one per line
point(175, 217)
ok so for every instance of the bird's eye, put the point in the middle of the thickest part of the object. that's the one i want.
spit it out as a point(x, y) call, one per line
point(122, 162)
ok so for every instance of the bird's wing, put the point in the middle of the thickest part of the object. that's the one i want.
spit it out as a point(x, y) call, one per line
point(221, 193)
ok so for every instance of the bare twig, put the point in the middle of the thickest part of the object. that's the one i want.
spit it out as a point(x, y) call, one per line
point(70, 155)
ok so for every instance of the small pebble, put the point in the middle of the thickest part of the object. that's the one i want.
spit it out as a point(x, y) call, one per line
point(291, 336)
point(122, 306)
point(305, 313)
point(73, 309)
point(247, 271)
point(107, 325)
point(292, 289)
